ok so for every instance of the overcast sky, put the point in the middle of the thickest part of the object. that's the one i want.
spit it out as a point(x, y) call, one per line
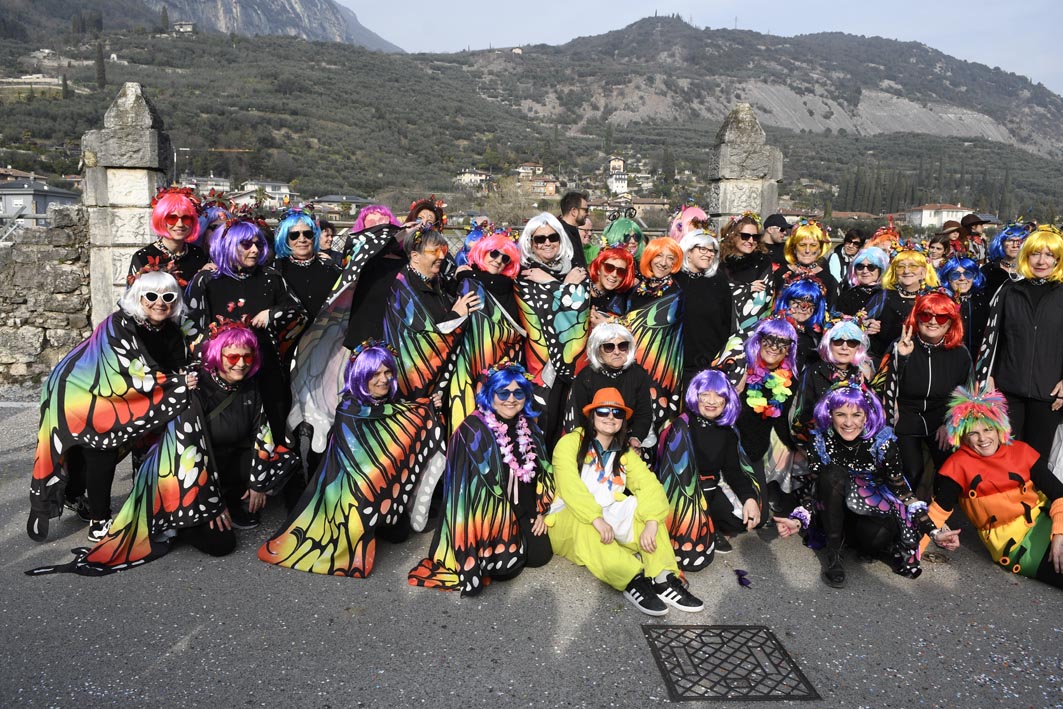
point(1022, 37)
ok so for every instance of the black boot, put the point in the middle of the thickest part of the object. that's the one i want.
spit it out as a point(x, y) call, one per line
point(833, 571)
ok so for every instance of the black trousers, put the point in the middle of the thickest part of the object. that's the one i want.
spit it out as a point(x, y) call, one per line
point(537, 549)
point(215, 542)
point(911, 449)
point(92, 473)
point(872, 535)
point(1033, 422)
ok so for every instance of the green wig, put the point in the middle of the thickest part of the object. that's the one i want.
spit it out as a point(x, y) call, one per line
point(620, 231)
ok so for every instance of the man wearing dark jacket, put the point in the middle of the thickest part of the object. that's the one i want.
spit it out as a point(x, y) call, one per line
point(573, 212)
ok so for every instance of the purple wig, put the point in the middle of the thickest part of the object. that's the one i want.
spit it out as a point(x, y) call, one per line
point(499, 242)
point(844, 330)
point(850, 395)
point(171, 203)
point(362, 368)
point(501, 379)
point(359, 223)
point(777, 327)
point(225, 247)
point(715, 381)
point(207, 217)
point(239, 336)
point(280, 241)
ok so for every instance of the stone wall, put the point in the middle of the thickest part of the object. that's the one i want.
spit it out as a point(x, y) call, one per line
point(45, 299)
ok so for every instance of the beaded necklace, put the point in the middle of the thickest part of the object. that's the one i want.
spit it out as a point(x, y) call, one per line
point(654, 286)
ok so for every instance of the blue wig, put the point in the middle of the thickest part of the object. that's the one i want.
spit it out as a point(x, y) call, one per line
point(362, 368)
point(1012, 230)
point(872, 255)
point(968, 265)
point(225, 248)
point(280, 241)
point(844, 330)
point(715, 381)
point(501, 379)
point(804, 289)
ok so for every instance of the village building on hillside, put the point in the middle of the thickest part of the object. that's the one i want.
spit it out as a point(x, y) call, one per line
point(31, 199)
point(273, 195)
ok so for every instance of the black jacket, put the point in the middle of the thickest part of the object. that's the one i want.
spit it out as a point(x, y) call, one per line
point(1029, 348)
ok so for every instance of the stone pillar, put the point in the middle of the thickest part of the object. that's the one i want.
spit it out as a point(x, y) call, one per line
point(125, 162)
point(744, 171)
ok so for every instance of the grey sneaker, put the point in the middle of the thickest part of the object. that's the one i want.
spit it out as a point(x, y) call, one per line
point(641, 594)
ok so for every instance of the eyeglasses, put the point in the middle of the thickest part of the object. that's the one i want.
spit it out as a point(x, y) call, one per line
point(437, 252)
point(958, 274)
point(248, 244)
point(504, 394)
point(294, 235)
point(745, 236)
point(499, 256)
point(709, 397)
point(851, 344)
point(779, 344)
point(865, 267)
point(703, 249)
point(552, 237)
point(151, 296)
point(610, 268)
point(185, 219)
point(607, 411)
point(801, 305)
point(234, 359)
point(939, 318)
point(610, 347)
point(1014, 241)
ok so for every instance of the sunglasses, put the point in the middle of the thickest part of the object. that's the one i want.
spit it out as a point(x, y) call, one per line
point(151, 296)
point(865, 267)
point(851, 344)
point(295, 235)
point(185, 219)
point(504, 394)
point(540, 239)
point(248, 244)
point(939, 318)
point(437, 251)
point(610, 268)
point(743, 236)
point(610, 347)
point(776, 343)
point(853, 242)
point(958, 274)
point(499, 256)
point(607, 411)
point(234, 359)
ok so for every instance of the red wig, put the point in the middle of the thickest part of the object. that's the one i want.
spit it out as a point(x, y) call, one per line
point(496, 242)
point(620, 254)
point(172, 203)
point(939, 304)
point(654, 248)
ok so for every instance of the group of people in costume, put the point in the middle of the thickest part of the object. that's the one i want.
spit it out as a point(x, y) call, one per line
point(631, 404)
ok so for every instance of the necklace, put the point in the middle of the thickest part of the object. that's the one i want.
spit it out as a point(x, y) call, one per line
point(303, 263)
point(174, 255)
point(654, 286)
point(226, 386)
point(777, 382)
point(523, 472)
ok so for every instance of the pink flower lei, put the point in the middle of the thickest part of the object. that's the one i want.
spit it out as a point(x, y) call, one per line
point(525, 446)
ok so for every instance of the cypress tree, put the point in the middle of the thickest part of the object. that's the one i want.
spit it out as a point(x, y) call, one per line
point(101, 70)
point(66, 88)
point(164, 19)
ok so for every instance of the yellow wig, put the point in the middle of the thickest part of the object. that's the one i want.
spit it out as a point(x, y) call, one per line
point(806, 230)
point(1043, 237)
point(889, 278)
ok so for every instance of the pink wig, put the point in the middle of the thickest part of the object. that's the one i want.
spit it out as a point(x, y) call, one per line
point(174, 204)
point(681, 224)
point(359, 223)
point(238, 336)
point(499, 242)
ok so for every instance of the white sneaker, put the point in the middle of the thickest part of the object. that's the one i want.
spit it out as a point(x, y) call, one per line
point(98, 529)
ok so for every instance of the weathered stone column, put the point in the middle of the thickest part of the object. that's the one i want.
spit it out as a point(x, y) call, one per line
point(124, 165)
point(744, 171)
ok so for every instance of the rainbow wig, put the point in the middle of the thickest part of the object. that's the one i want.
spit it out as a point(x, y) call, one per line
point(361, 368)
point(803, 231)
point(208, 216)
point(804, 289)
point(225, 248)
point(173, 203)
point(607, 332)
point(1012, 230)
point(889, 278)
point(499, 377)
point(1041, 238)
point(872, 255)
point(280, 241)
point(158, 282)
point(654, 248)
point(235, 335)
point(844, 330)
point(939, 304)
point(620, 231)
point(496, 242)
point(681, 224)
point(715, 381)
point(850, 394)
point(776, 327)
point(615, 253)
point(968, 265)
point(968, 408)
point(359, 223)
point(699, 237)
point(527, 255)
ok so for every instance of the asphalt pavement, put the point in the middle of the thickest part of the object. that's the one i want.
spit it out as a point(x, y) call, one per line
point(192, 631)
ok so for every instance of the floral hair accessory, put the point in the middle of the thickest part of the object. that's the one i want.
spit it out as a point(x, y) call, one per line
point(372, 342)
point(154, 264)
point(222, 323)
point(184, 191)
point(301, 210)
point(506, 364)
point(216, 198)
point(248, 214)
point(749, 214)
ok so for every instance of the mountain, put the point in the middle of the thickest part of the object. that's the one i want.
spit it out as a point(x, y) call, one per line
point(320, 20)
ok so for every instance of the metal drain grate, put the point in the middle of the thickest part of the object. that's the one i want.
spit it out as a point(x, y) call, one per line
point(707, 662)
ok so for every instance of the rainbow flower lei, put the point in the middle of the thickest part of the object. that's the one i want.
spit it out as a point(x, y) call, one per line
point(778, 382)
